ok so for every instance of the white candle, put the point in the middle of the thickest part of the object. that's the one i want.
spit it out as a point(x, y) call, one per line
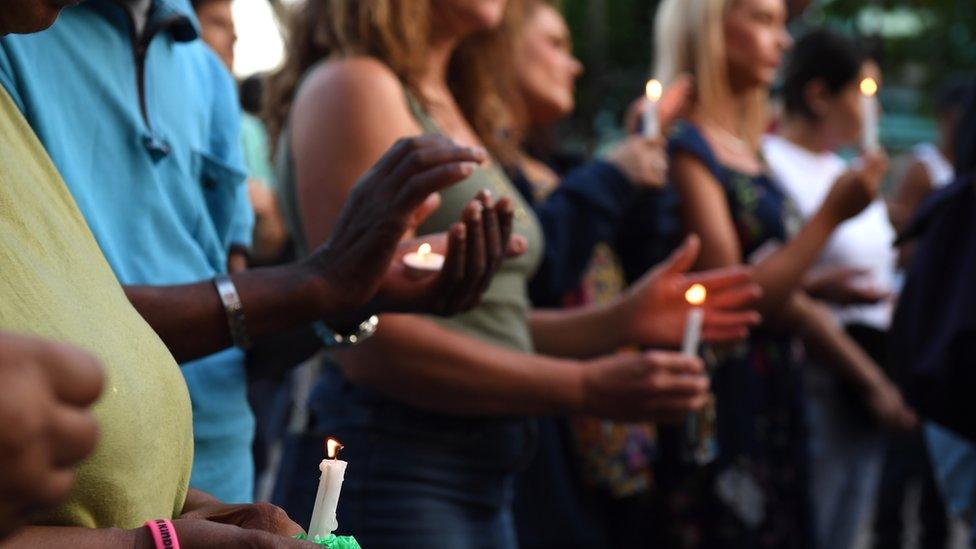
point(327, 498)
point(698, 445)
point(869, 115)
point(424, 260)
point(696, 315)
point(651, 124)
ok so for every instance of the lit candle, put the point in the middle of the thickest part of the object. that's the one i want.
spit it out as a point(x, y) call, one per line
point(424, 259)
point(869, 114)
point(699, 441)
point(696, 315)
point(327, 498)
point(652, 94)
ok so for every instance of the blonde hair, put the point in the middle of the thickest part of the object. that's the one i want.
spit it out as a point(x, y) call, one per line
point(690, 39)
point(396, 32)
point(393, 31)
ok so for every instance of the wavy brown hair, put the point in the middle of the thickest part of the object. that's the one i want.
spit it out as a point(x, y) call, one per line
point(396, 33)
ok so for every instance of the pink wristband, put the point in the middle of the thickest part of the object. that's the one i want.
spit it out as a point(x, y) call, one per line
point(163, 533)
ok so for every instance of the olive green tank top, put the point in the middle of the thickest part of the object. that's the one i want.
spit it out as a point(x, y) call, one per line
point(502, 316)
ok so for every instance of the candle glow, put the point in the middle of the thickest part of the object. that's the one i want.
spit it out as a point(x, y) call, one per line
point(653, 90)
point(869, 87)
point(696, 295)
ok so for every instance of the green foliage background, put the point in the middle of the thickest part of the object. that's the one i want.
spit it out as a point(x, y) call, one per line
point(613, 39)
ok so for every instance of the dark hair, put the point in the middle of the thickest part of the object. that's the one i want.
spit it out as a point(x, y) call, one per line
point(251, 91)
point(822, 55)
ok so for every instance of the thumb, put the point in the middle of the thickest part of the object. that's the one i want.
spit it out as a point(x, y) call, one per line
point(424, 211)
point(683, 259)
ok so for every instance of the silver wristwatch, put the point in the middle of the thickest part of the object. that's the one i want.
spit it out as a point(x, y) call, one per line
point(363, 331)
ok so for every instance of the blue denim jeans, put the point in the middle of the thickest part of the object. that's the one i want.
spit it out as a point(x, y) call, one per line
point(846, 455)
point(415, 478)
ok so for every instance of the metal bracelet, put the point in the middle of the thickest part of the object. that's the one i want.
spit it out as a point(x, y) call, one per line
point(234, 311)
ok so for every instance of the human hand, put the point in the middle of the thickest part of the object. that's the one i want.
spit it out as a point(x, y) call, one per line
point(352, 264)
point(889, 408)
point(674, 104)
point(47, 389)
point(653, 311)
point(658, 386)
point(206, 534)
point(841, 286)
point(856, 188)
point(258, 516)
point(474, 249)
point(643, 161)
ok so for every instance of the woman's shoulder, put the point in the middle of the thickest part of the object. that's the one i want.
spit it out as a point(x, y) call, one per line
point(687, 138)
point(353, 91)
point(353, 81)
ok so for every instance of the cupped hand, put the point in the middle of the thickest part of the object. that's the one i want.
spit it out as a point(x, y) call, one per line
point(855, 189)
point(653, 311)
point(47, 389)
point(352, 264)
point(658, 386)
point(474, 249)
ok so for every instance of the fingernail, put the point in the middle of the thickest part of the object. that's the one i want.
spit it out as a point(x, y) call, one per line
point(469, 167)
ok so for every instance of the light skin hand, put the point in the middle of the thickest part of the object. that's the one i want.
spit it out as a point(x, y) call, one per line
point(654, 310)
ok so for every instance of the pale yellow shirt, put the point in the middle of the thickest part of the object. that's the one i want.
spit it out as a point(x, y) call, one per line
point(55, 283)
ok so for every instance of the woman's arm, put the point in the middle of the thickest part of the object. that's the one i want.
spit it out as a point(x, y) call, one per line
point(413, 360)
point(653, 311)
point(705, 212)
point(342, 118)
point(908, 194)
point(827, 341)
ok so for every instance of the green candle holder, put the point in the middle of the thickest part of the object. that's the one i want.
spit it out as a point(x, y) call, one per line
point(333, 541)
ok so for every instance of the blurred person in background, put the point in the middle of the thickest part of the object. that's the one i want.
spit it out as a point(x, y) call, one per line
point(855, 274)
point(755, 494)
point(439, 411)
point(589, 483)
point(270, 239)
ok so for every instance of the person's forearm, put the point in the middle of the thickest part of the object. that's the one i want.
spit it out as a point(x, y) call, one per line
point(191, 320)
point(782, 272)
point(57, 537)
point(415, 361)
point(828, 342)
point(580, 333)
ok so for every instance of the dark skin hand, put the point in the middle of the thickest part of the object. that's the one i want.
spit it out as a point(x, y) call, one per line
point(353, 274)
point(48, 428)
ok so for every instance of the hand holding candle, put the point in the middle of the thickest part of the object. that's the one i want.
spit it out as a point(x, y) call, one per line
point(869, 114)
point(327, 498)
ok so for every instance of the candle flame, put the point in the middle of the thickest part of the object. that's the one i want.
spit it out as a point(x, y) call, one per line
point(653, 90)
point(424, 250)
point(332, 447)
point(869, 87)
point(696, 294)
